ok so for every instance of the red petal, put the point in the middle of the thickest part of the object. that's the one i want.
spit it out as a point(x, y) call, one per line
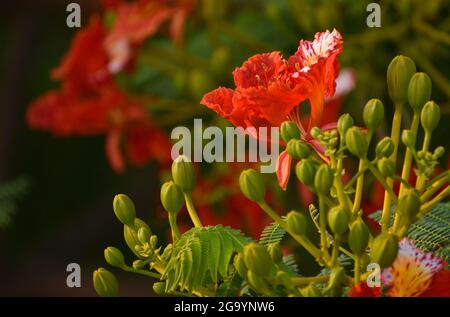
point(113, 152)
point(440, 285)
point(220, 100)
point(362, 290)
point(283, 168)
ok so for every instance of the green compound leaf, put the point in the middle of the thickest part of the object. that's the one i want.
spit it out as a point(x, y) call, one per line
point(203, 254)
point(272, 233)
point(432, 232)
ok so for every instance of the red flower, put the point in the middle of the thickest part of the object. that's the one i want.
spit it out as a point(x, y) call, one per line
point(363, 290)
point(137, 21)
point(270, 89)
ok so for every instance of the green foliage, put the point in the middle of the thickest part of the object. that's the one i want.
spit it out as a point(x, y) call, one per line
point(202, 253)
point(272, 233)
point(432, 232)
point(9, 194)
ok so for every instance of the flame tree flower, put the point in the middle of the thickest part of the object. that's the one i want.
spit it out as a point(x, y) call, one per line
point(269, 90)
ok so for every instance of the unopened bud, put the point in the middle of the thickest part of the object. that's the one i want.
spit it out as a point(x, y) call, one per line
point(257, 259)
point(356, 142)
point(438, 152)
point(124, 209)
point(419, 90)
point(130, 234)
point(358, 237)
point(289, 130)
point(296, 223)
point(105, 283)
point(338, 218)
point(384, 249)
point(183, 173)
point(143, 235)
point(114, 257)
point(345, 122)
point(386, 167)
point(373, 114)
point(159, 288)
point(385, 147)
point(172, 197)
point(323, 179)
point(316, 132)
point(305, 171)
point(399, 73)
point(252, 185)
point(409, 204)
point(430, 116)
point(298, 149)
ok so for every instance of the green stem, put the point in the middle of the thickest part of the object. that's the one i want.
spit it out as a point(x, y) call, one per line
point(435, 186)
point(426, 207)
point(191, 210)
point(357, 269)
point(421, 179)
point(323, 226)
point(335, 252)
point(359, 189)
point(174, 227)
point(343, 198)
point(407, 162)
point(359, 173)
point(142, 272)
point(304, 241)
point(308, 280)
point(384, 183)
point(395, 136)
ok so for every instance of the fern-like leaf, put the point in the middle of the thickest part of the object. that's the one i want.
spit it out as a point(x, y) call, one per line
point(202, 254)
point(272, 233)
point(432, 232)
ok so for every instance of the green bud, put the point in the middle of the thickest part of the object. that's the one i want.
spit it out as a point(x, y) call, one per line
point(124, 209)
point(114, 257)
point(408, 139)
point(386, 167)
point(384, 249)
point(356, 141)
point(183, 173)
point(438, 152)
point(385, 147)
point(311, 291)
point(143, 235)
point(130, 234)
point(373, 114)
point(409, 204)
point(257, 259)
point(298, 149)
point(275, 253)
point(252, 185)
point(105, 283)
point(419, 90)
point(399, 73)
point(345, 122)
point(289, 131)
point(138, 264)
point(316, 132)
point(338, 218)
point(172, 197)
point(153, 241)
point(358, 237)
point(305, 171)
point(239, 265)
point(296, 223)
point(323, 179)
point(167, 252)
point(159, 288)
point(430, 116)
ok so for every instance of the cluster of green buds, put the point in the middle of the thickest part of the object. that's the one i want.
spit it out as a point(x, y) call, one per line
point(339, 216)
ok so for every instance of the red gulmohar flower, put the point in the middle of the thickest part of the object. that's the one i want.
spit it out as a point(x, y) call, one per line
point(90, 103)
point(139, 20)
point(270, 89)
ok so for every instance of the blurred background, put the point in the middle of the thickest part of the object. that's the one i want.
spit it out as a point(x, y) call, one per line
point(56, 189)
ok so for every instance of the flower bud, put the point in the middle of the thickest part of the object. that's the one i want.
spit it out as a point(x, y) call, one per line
point(356, 142)
point(124, 209)
point(345, 122)
point(384, 249)
point(239, 265)
point(296, 223)
point(399, 73)
point(298, 149)
point(138, 264)
point(408, 139)
point(323, 179)
point(159, 288)
point(257, 259)
point(143, 235)
point(430, 116)
point(419, 90)
point(130, 234)
point(256, 282)
point(153, 241)
point(338, 218)
point(316, 132)
point(114, 257)
point(275, 252)
point(183, 173)
point(172, 197)
point(105, 283)
point(252, 185)
point(305, 171)
point(385, 147)
point(289, 131)
point(373, 114)
point(438, 152)
point(386, 167)
point(358, 237)
point(409, 204)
